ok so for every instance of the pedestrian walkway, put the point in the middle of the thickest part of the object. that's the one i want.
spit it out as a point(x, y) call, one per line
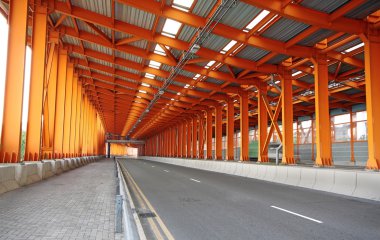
point(79, 204)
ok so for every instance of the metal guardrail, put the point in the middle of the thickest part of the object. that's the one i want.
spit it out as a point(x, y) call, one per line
point(130, 223)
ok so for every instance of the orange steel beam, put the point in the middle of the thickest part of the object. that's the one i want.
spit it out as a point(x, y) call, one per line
point(244, 127)
point(201, 136)
point(263, 125)
point(60, 104)
point(310, 16)
point(188, 151)
point(209, 133)
point(67, 119)
point(14, 82)
point(230, 129)
point(37, 77)
point(322, 116)
point(287, 118)
point(372, 76)
point(218, 132)
point(195, 137)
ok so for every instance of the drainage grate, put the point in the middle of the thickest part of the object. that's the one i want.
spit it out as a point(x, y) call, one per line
point(145, 213)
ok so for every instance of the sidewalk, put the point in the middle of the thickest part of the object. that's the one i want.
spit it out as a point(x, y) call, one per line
point(79, 204)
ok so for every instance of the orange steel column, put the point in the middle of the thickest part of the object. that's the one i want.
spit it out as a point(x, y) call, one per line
point(287, 118)
point(322, 116)
point(230, 129)
point(218, 132)
point(372, 86)
point(188, 155)
point(14, 82)
point(68, 99)
point(60, 104)
point(74, 114)
point(244, 126)
point(179, 141)
point(195, 137)
point(37, 77)
point(201, 137)
point(175, 141)
point(209, 133)
point(263, 125)
point(79, 119)
point(184, 139)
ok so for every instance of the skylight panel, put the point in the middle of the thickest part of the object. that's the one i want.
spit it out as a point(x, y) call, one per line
point(296, 73)
point(257, 19)
point(228, 46)
point(154, 64)
point(187, 86)
point(142, 91)
point(158, 49)
point(196, 76)
point(148, 75)
point(171, 28)
point(268, 22)
point(145, 84)
point(209, 64)
point(183, 3)
point(354, 48)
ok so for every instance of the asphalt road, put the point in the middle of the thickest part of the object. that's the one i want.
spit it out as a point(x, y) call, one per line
point(196, 204)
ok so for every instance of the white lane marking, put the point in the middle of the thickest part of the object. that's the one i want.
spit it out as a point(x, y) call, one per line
point(299, 215)
point(195, 180)
point(153, 166)
point(166, 170)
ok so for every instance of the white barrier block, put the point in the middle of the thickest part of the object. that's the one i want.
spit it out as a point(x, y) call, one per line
point(27, 174)
point(251, 170)
point(367, 185)
point(345, 182)
point(58, 166)
point(45, 169)
point(294, 176)
point(308, 177)
point(270, 173)
point(8, 178)
point(239, 169)
point(324, 180)
point(261, 171)
point(65, 164)
point(282, 174)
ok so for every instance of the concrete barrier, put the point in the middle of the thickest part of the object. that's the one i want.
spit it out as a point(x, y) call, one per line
point(45, 169)
point(294, 175)
point(27, 173)
point(367, 185)
point(308, 177)
point(8, 178)
point(58, 166)
point(324, 180)
point(344, 183)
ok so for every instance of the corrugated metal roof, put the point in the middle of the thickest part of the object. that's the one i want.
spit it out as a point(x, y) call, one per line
point(140, 44)
point(338, 39)
point(187, 33)
point(215, 42)
point(203, 7)
point(101, 72)
point(316, 37)
point(278, 59)
point(128, 56)
point(99, 6)
point(332, 68)
point(70, 40)
point(127, 79)
point(213, 80)
point(178, 84)
point(308, 78)
point(327, 6)
point(126, 69)
point(345, 67)
point(202, 90)
point(252, 53)
point(187, 74)
point(76, 55)
point(349, 45)
point(134, 16)
point(284, 29)
point(121, 35)
point(364, 10)
point(240, 15)
point(360, 56)
point(108, 64)
point(97, 47)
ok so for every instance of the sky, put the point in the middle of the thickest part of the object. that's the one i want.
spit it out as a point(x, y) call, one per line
point(3, 64)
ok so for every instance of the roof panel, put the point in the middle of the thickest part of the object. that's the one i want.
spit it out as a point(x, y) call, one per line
point(99, 6)
point(187, 33)
point(70, 40)
point(97, 47)
point(365, 9)
point(349, 45)
point(203, 7)
point(240, 15)
point(213, 80)
point(284, 29)
point(327, 6)
point(215, 42)
point(316, 37)
point(252, 53)
point(278, 59)
point(128, 56)
point(134, 16)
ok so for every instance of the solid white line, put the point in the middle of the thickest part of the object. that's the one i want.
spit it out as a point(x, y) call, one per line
point(195, 180)
point(166, 170)
point(153, 166)
point(299, 215)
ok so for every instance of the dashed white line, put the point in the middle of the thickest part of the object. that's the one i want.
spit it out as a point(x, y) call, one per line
point(195, 180)
point(297, 214)
point(153, 166)
point(166, 170)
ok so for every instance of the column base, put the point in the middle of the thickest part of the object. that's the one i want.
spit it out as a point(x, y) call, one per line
point(288, 160)
point(373, 164)
point(323, 162)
